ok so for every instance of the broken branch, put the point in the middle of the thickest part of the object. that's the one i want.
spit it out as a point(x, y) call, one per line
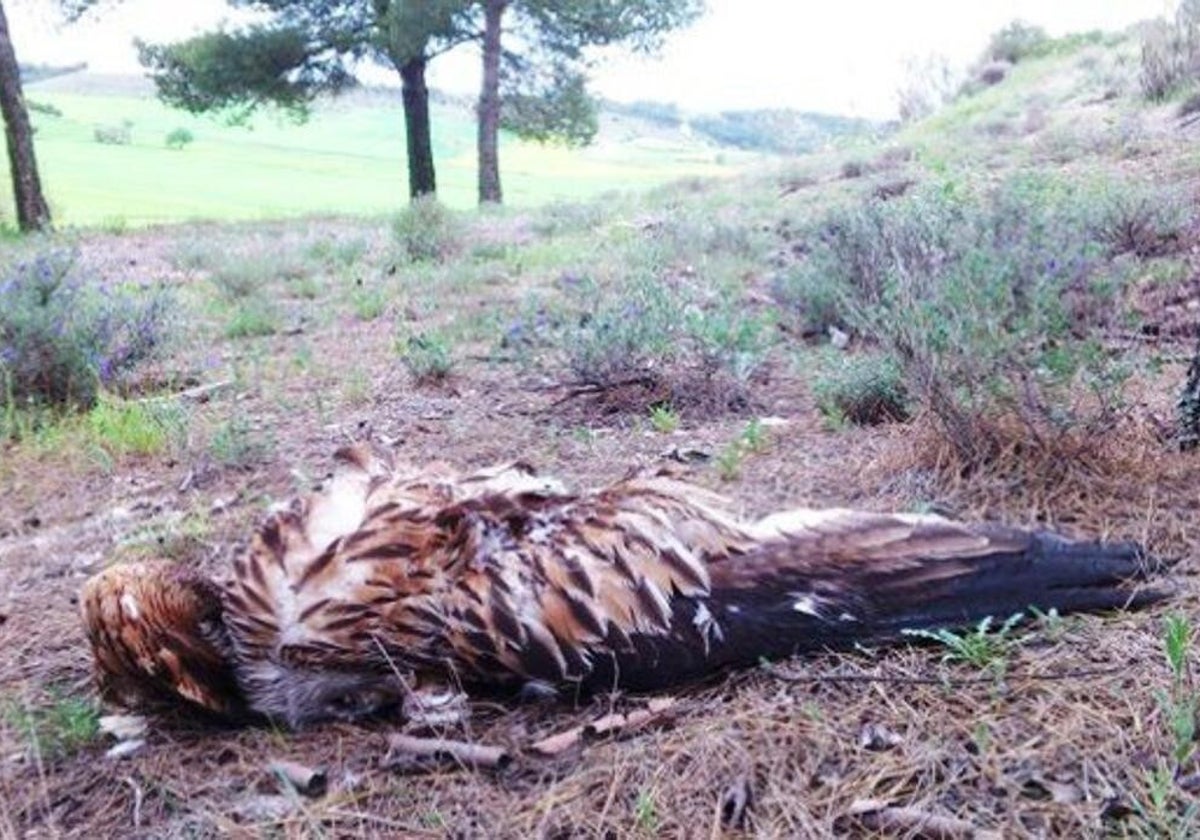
point(405, 751)
point(615, 723)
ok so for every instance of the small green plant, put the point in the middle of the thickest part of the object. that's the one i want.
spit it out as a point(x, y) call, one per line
point(252, 317)
point(339, 253)
point(240, 275)
point(178, 138)
point(426, 231)
point(754, 439)
point(645, 812)
point(1166, 811)
point(356, 387)
point(628, 333)
point(729, 461)
point(57, 730)
point(428, 356)
point(1180, 704)
point(664, 419)
point(982, 647)
point(123, 427)
point(237, 443)
point(368, 302)
point(865, 390)
point(725, 337)
point(115, 225)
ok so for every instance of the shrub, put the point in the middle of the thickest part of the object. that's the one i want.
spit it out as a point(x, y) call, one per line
point(993, 73)
point(63, 336)
point(865, 390)
point(236, 443)
point(252, 317)
point(854, 169)
point(992, 302)
point(43, 108)
point(928, 84)
point(1170, 55)
point(114, 135)
point(1146, 223)
point(368, 303)
point(426, 231)
point(559, 218)
point(1016, 42)
point(339, 253)
point(239, 275)
point(178, 138)
point(693, 344)
point(428, 356)
point(624, 336)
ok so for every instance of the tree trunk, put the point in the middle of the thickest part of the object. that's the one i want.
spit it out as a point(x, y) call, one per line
point(32, 211)
point(422, 179)
point(489, 104)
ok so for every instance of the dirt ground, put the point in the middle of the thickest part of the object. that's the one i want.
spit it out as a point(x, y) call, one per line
point(1067, 743)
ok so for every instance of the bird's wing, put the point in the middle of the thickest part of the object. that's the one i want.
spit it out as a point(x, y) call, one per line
point(311, 586)
point(156, 634)
point(519, 585)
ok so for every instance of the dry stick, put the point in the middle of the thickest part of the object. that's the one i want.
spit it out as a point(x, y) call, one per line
point(585, 388)
point(790, 676)
point(601, 726)
point(413, 748)
point(307, 781)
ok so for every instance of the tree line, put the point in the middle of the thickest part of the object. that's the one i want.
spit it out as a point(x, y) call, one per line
point(534, 73)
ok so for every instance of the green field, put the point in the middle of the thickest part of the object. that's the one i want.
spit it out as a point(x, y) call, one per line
point(348, 158)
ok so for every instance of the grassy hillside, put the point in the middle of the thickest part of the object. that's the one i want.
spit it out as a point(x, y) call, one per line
point(349, 158)
point(991, 316)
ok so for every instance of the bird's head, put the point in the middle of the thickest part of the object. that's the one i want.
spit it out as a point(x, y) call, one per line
point(158, 636)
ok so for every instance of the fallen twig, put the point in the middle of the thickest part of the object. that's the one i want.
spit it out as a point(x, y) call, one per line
point(408, 751)
point(601, 726)
point(307, 781)
point(586, 388)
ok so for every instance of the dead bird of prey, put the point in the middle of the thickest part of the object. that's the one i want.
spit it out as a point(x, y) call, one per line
point(390, 579)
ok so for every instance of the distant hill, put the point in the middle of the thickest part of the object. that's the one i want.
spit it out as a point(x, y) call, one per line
point(31, 73)
point(778, 130)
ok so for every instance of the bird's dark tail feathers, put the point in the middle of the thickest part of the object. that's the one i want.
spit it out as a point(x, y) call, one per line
point(788, 607)
point(1051, 573)
point(874, 602)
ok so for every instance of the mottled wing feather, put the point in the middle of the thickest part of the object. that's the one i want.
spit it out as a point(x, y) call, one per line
point(552, 584)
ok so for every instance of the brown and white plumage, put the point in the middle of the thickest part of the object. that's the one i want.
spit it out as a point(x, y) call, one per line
point(349, 598)
point(157, 634)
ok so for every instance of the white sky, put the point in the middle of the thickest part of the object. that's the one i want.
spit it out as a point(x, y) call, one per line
point(844, 56)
